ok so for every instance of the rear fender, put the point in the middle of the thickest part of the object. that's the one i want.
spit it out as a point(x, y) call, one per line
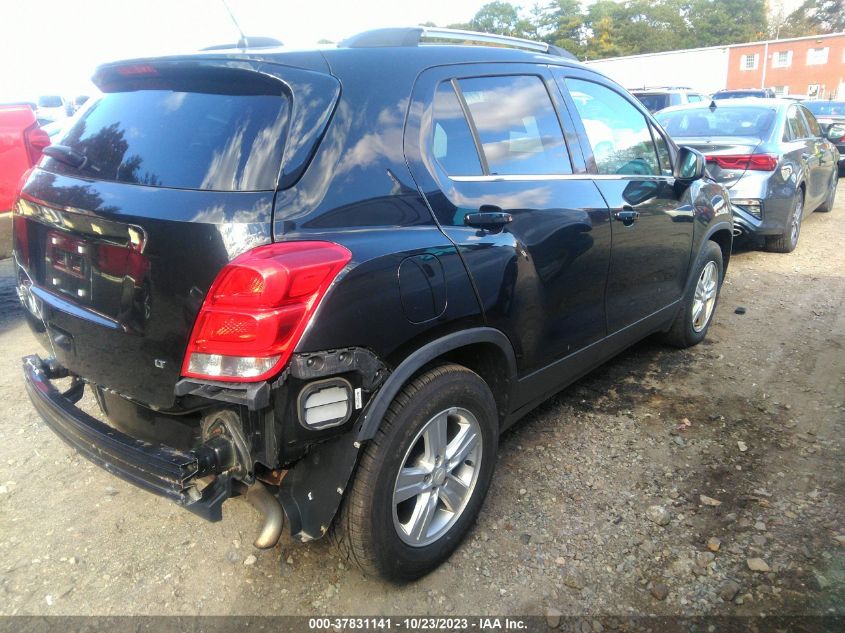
point(312, 490)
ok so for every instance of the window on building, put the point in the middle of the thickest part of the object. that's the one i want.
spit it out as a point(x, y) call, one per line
point(748, 62)
point(782, 59)
point(781, 91)
point(816, 56)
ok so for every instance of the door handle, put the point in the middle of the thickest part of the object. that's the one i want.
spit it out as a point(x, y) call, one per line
point(626, 216)
point(488, 216)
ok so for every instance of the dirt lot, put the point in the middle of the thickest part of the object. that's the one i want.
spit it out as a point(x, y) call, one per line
point(753, 419)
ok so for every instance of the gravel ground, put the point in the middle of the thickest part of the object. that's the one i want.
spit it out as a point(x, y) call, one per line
point(707, 481)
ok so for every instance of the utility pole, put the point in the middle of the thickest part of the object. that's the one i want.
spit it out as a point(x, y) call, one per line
point(765, 64)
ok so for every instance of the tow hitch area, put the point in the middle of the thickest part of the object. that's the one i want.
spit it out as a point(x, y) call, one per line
point(162, 470)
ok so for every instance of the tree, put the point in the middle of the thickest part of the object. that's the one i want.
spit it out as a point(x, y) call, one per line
point(609, 28)
point(501, 18)
point(717, 22)
point(815, 17)
point(562, 24)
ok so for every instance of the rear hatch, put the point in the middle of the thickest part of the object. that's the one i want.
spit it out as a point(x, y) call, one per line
point(729, 135)
point(724, 155)
point(167, 177)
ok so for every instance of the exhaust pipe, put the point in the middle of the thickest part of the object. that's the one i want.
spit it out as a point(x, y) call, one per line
point(271, 510)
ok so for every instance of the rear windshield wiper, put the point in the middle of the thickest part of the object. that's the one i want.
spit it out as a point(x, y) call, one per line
point(66, 155)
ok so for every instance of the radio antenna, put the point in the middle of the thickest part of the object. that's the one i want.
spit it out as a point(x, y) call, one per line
point(244, 43)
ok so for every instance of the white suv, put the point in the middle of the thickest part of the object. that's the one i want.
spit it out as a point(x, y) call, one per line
point(655, 99)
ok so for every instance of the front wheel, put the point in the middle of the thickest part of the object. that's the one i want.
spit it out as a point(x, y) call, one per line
point(699, 302)
point(422, 480)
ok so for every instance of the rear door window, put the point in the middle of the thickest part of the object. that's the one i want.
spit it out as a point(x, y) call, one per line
point(223, 141)
point(795, 128)
point(517, 125)
point(812, 124)
point(453, 145)
point(618, 133)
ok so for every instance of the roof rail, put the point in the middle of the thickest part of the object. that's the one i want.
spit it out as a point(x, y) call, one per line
point(428, 35)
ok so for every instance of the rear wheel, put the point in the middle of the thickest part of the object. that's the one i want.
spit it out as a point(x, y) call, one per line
point(788, 240)
point(699, 302)
point(831, 192)
point(423, 478)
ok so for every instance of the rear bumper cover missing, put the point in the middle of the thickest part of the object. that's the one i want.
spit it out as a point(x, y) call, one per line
point(162, 470)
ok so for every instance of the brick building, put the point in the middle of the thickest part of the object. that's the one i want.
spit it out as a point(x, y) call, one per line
point(814, 66)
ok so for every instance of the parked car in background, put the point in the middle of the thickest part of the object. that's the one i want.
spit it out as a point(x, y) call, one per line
point(21, 143)
point(657, 98)
point(745, 93)
point(342, 320)
point(50, 108)
point(772, 156)
point(831, 118)
point(77, 102)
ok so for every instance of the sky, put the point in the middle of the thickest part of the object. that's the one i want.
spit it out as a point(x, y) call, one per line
point(53, 46)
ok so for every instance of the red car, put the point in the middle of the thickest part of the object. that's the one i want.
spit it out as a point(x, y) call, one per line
point(21, 142)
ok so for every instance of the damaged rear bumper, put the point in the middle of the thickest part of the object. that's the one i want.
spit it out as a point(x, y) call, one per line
point(159, 469)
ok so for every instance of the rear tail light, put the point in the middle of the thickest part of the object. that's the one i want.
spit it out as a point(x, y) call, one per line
point(258, 308)
point(35, 140)
point(756, 162)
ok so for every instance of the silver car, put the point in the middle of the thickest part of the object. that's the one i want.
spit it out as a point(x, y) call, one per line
point(772, 157)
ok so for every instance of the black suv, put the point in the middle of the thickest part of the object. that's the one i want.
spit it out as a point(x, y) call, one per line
point(745, 93)
point(328, 280)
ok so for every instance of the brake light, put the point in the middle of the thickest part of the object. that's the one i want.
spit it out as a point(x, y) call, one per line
point(35, 140)
point(136, 70)
point(258, 308)
point(756, 162)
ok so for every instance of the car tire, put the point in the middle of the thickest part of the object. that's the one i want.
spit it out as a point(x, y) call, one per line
point(831, 193)
point(700, 299)
point(788, 240)
point(386, 534)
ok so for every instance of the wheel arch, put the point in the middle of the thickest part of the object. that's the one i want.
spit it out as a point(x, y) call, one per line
point(485, 350)
point(723, 236)
point(721, 233)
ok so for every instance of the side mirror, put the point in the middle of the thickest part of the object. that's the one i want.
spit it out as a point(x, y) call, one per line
point(836, 132)
point(690, 165)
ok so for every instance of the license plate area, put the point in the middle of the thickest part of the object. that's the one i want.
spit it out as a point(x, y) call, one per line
point(69, 266)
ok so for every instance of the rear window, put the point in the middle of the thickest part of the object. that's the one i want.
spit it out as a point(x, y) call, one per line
point(739, 94)
point(653, 102)
point(184, 140)
point(727, 121)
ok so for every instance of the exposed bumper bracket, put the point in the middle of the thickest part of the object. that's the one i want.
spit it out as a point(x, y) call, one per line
point(162, 470)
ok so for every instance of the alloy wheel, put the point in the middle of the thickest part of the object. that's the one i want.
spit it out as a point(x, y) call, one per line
point(437, 477)
point(795, 224)
point(704, 299)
